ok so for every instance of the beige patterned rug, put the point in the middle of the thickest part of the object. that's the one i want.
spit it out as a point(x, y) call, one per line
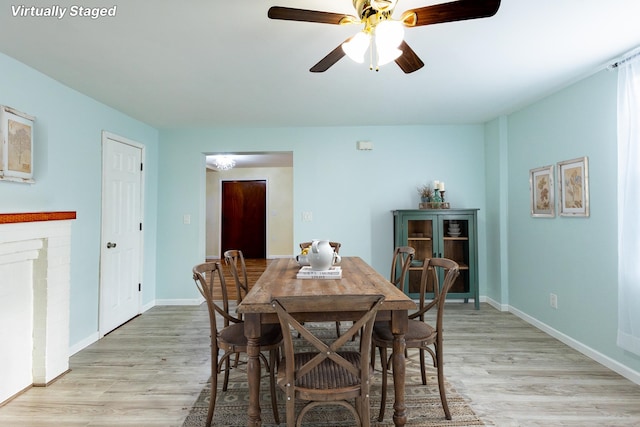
point(424, 408)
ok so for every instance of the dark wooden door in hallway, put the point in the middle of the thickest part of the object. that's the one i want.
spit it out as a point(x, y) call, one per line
point(244, 208)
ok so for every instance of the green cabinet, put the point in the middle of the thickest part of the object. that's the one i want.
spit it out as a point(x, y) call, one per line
point(441, 233)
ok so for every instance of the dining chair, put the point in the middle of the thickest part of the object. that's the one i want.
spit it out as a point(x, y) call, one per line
point(400, 263)
point(230, 338)
point(234, 259)
point(334, 245)
point(420, 334)
point(329, 374)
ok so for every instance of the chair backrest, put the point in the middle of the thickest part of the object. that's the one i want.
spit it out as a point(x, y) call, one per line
point(205, 277)
point(334, 245)
point(235, 260)
point(402, 257)
point(363, 307)
point(432, 270)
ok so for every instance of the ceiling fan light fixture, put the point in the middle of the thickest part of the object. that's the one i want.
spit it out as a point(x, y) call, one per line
point(224, 163)
point(389, 33)
point(386, 55)
point(357, 47)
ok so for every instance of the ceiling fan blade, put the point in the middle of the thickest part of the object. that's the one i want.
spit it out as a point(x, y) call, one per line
point(449, 12)
point(291, 14)
point(325, 63)
point(408, 61)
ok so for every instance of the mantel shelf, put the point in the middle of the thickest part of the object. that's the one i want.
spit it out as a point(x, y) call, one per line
point(12, 218)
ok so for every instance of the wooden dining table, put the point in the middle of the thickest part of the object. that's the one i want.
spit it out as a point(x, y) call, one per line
point(279, 279)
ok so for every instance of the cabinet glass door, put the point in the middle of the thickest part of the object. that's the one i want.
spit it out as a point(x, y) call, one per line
point(455, 246)
point(420, 234)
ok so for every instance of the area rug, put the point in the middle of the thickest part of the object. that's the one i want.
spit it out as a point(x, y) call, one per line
point(424, 408)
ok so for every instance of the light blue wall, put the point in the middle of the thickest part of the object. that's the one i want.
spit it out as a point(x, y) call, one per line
point(496, 141)
point(575, 258)
point(67, 170)
point(351, 193)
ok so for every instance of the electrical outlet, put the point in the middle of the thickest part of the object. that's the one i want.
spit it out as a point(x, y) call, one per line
point(307, 216)
point(553, 300)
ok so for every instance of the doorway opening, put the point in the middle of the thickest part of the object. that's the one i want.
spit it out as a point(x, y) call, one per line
point(244, 217)
point(275, 170)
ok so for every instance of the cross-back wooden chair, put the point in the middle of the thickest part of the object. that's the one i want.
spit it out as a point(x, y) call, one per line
point(402, 257)
point(329, 374)
point(334, 245)
point(235, 260)
point(230, 338)
point(420, 334)
point(400, 263)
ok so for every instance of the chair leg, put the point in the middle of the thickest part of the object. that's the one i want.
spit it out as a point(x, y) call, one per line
point(423, 369)
point(373, 356)
point(237, 359)
point(272, 385)
point(362, 409)
point(291, 411)
point(227, 368)
point(443, 394)
point(383, 391)
point(214, 389)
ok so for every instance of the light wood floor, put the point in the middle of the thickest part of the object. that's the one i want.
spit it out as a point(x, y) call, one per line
point(149, 371)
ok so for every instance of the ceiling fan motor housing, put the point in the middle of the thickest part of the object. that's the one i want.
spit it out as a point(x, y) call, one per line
point(367, 8)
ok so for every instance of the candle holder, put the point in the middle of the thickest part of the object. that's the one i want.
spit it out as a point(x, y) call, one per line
point(442, 195)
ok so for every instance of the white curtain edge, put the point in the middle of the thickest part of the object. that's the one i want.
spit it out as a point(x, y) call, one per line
point(628, 342)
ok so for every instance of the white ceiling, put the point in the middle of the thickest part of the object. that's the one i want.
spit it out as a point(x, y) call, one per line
point(224, 63)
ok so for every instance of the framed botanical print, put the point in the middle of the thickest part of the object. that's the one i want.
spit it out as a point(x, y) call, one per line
point(542, 192)
point(573, 187)
point(16, 145)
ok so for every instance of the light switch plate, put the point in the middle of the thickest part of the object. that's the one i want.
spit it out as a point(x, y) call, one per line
point(364, 145)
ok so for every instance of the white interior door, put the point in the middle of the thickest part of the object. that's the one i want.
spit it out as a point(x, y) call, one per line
point(120, 254)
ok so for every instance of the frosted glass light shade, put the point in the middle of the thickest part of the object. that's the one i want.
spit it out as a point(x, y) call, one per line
point(357, 47)
point(389, 33)
point(387, 55)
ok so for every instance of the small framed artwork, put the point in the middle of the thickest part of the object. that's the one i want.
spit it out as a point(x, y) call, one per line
point(542, 193)
point(573, 187)
point(16, 145)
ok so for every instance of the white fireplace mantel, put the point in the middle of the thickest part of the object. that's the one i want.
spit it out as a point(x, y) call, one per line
point(35, 254)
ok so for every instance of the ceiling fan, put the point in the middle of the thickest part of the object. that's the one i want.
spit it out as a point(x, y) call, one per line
point(380, 28)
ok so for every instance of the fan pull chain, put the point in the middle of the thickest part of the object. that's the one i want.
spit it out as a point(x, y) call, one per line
point(371, 53)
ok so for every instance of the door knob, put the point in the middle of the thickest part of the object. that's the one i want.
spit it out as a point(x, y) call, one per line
point(111, 245)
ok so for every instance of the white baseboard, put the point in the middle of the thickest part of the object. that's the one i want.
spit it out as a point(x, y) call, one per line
point(84, 343)
point(194, 301)
point(604, 360)
point(495, 304)
point(148, 306)
point(215, 258)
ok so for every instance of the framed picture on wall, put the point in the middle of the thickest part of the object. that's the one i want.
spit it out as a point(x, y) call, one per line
point(573, 187)
point(16, 140)
point(542, 192)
